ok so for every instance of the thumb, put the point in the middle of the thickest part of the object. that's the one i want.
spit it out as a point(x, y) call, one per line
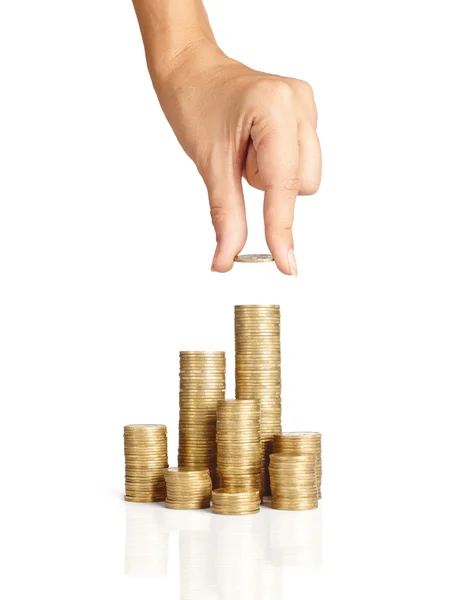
point(227, 210)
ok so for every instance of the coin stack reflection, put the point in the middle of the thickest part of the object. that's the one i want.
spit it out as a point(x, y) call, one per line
point(258, 370)
point(239, 556)
point(293, 482)
point(270, 581)
point(202, 385)
point(145, 460)
point(146, 541)
point(238, 444)
point(306, 442)
point(187, 490)
point(197, 566)
point(295, 538)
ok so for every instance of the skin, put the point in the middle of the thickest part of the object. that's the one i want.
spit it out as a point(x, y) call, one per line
point(233, 122)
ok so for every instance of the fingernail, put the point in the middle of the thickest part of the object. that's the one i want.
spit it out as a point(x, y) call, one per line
point(292, 263)
point(214, 259)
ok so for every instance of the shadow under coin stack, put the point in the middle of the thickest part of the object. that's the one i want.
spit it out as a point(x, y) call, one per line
point(187, 490)
point(293, 482)
point(145, 460)
point(258, 370)
point(307, 442)
point(202, 385)
point(235, 502)
point(238, 444)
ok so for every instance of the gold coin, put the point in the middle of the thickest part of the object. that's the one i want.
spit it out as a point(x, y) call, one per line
point(258, 343)
point(177, 471)
point(156, 427)
point(222, 495)
point(136, 499)
point(185, 505)
point(256, 306)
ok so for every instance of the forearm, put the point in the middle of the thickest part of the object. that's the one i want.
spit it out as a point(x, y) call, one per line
point(171, 30)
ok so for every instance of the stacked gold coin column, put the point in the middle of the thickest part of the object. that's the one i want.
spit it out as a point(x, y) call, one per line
point(258, 370)
point(187, 490)
point(306, 442)
point(202, 385)
point(235, 502)
point(238, 444)
point(293, 482)
point(145, 460)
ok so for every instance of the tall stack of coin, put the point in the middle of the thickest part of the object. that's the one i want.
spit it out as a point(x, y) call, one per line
point(258, 369)
point(187, 490)
point(293, 482)
point(238, 444)
point(202, 385)
point(306, 442)
point(145, 460)
point(235, 502)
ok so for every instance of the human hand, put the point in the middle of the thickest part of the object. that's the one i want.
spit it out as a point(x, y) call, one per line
point(232, 122)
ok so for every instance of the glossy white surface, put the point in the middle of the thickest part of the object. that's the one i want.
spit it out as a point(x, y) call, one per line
point(219, 556)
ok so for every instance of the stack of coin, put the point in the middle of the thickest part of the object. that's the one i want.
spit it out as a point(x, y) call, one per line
point(187, 490)
point(258, 369)
point(145, 461)
point(238, 444)
point(293, 481)
point(202, 384)
point(306, 442)
point(235, 502)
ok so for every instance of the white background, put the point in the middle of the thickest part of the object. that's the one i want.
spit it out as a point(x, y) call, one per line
point(105, 248)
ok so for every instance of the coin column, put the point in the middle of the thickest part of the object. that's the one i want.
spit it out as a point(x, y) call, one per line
point(238, 444)
point(187, 490)
point(302, 442)
point(293, 482)
point(145, 460)
point(235, 502)
point(202, 385)
point(258, 370)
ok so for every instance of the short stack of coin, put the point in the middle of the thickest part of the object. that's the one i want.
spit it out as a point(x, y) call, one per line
point(145, 460)
point(187, 490)
point(293, 482)
point(235, 502)
point(258, 369)
point(306, 442)
point(202, 385)
point(238, 444)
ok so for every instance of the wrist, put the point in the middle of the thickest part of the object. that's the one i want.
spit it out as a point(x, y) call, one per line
point(173, 32)
point(182, 53)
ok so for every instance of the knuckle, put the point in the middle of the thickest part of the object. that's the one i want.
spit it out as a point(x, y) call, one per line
point(219, 215)
point(305, 95)
point(309, 187)
point(302, 89)
point(274, 91)
point(291, 184)
point(307, 90)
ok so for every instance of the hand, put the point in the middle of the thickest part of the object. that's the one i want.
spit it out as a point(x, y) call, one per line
point(233, 121)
